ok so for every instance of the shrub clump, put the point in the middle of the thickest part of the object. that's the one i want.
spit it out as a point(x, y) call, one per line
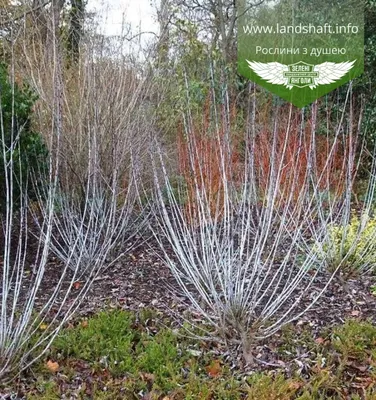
point(352, 247)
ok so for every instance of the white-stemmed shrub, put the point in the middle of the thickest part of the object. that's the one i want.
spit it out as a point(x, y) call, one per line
point(239, 234)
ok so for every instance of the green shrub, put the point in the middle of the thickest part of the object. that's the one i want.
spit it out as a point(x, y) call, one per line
point(19, 142)
point(106, 339)
point(352, 247)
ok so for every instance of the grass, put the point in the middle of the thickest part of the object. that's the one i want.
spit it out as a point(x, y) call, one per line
point(121, 355)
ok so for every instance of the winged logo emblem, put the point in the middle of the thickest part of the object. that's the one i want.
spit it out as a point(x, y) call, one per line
point(301, 74)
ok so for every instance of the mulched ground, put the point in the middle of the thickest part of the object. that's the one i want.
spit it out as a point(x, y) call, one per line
point(140, 279)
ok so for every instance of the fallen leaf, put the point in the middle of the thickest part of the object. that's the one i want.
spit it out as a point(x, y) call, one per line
point(149, 380)
point(364, 382)
point(85, 323)
point(359, 367)
point(43, 327)
point(294, 385)
point(52, 366)
point(320, 340)
point(214, 369)
point(147, 377)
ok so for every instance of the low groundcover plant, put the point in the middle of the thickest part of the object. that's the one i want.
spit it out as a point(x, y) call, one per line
point(352, 246)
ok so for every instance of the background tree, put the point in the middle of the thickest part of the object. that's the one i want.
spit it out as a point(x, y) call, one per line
point(76, 18)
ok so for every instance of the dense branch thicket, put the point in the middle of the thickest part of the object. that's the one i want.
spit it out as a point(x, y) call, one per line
point(250, 199)
point(248, 220)
point(83, 208)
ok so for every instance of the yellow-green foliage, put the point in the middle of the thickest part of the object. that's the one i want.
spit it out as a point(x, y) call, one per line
point(266, 387)
point(352, 247)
